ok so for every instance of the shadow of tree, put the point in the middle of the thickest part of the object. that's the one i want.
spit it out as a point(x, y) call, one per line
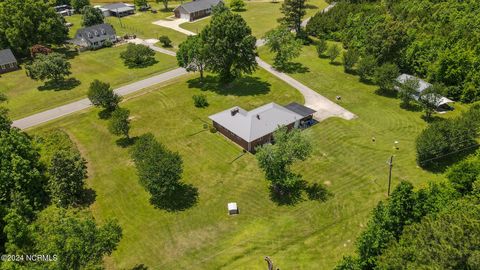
point(286, 196)
point(412, 107)
point(87, 197)
point(68, 52)
point(294, 67)
point(150, 62)
point(105, 114)
point(140, 267)
point(67, 84)
point(183, 197)
point(309, 6)
point(386, 93)
point(126, 142)
point(245, 86)
point(318, 192)
point(441, 165)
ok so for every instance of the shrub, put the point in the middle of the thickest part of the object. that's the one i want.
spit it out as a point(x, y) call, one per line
point(165, 40)
point(200, 101)
point(137, 56)
point(321, 47)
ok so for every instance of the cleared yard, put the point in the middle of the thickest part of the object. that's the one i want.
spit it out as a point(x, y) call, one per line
point(308, 235)
point(25, 98)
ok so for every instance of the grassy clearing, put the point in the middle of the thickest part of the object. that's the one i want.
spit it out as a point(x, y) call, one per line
point(261, 16)
point(308, 235)
point(25, 98)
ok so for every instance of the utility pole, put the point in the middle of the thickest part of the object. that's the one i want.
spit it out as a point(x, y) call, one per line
point(390, 164)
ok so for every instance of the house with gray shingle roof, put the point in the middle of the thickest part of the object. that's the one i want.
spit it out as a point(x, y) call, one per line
point(118, 10)
point(8, 62)
point(95, 36)
point(196, 9)
point(250, 129)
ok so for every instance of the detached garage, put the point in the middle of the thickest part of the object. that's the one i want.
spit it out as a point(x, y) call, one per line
point(196, 9)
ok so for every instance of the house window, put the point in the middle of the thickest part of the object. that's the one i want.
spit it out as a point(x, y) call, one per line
point(2, 67)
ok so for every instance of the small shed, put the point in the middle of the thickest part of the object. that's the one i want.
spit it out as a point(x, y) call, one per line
point(232, 208)
point(196, 9)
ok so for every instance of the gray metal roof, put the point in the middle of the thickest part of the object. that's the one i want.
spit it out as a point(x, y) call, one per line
point(119, 6)
point(300, 109)
point(7, 57)
point(99, 32)
point(254, 124)
point(198, 5)
point(422, 85)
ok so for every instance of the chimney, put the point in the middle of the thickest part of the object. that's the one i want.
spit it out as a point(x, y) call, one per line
point(234, 112)
point(258, 116)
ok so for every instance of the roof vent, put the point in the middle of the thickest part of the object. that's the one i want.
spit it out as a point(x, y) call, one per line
point(234, 111)
point(258, 116)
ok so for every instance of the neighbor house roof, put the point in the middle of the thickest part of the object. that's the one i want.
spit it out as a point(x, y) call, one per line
point(254, 124)
point(422, 86)
point(119, 7)
point(7, 57)
point(198, 5)
point(94, 33)
point(300, 109)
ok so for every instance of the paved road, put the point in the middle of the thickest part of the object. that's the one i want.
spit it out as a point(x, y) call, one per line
point(325, 108)
point(76, 106)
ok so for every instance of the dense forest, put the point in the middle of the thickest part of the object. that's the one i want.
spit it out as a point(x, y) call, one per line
point(433, 39)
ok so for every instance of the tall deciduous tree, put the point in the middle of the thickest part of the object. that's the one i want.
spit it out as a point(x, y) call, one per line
point(138, 56)
point(91, 16)
point(237, 5)
point(284, 44)
point(119, 122)
point(333, 52)
point(407, 90)
point(321, 47)
point(52, 66)
point(74, 238)
point(350, 58)
point(67, 174)
point(100, 94)
point(429, 99)
point(385, 76)
point(276, 159)
point(191, 55)
point(293, 12)
point(78, 5)
point(28, 22)
point(140, 3)
point(366, 67)
point(230, 45)
point(165, 3)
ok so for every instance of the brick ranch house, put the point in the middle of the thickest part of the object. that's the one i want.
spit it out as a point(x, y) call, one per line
point(196, 9)
point(250, 129)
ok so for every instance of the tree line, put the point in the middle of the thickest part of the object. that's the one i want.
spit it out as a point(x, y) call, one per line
point(43, 202)
point(431, 39)
point(434, 227)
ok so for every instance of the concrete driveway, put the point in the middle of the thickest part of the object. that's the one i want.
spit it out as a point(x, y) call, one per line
point(325, 108)
point(175, 25)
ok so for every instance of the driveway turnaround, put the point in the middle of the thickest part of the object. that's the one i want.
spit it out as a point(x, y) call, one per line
point(151, 43)
point(76, 106)
point(175, 25)
point(325, 108)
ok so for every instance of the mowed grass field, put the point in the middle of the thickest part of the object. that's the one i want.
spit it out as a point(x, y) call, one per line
point(261, 16)
point(25, 98)
point(307, 235)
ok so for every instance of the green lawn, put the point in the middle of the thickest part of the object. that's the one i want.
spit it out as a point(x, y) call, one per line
point(139, 24)
point(308, 235)
point(25, 98)
point(261, 16)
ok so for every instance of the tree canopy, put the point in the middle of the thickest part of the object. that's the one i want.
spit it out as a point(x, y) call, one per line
point(437, 40)
point(102, 95)
point(191, 55)
point(28, 22)
point(91, 16)
point(229, 45)
point(283, 43)
point(53, 66)
point(138, 56)
point(293, 12)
